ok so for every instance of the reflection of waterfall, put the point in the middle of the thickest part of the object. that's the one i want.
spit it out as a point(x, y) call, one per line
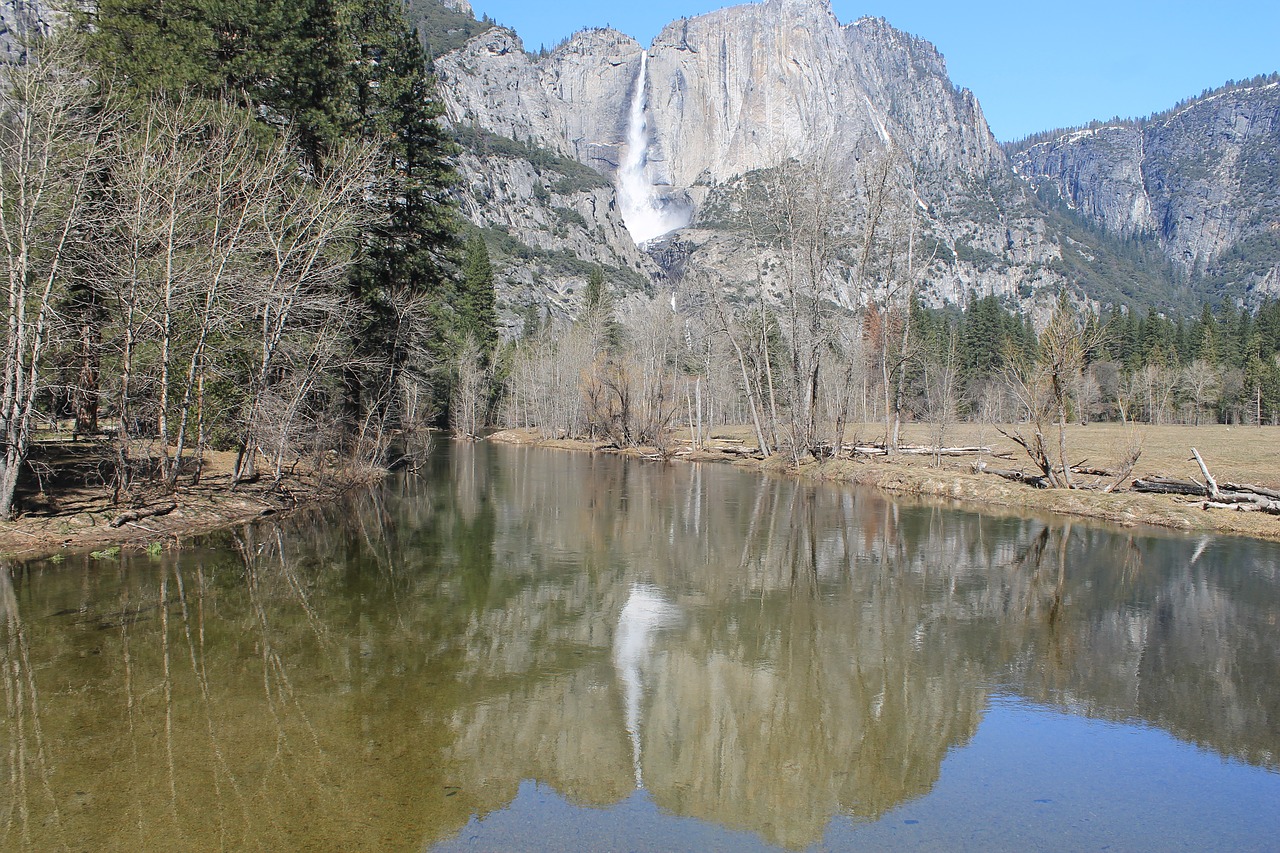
point(646, 213)
point(643, 615)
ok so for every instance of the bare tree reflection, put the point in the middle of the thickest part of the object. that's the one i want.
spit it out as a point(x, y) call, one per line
point(384, 670)
point(32, 806)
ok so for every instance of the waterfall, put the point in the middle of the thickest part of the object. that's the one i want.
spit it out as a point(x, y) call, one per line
point(645, 211)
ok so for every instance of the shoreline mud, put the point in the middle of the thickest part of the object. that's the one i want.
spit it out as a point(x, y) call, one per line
point(85, 519)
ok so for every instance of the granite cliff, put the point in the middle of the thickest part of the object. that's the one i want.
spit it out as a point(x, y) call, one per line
point(723, 99)
point(20, 19)
point(1201, 180)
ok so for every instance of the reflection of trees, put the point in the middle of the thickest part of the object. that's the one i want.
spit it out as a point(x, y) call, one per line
point(1149, 629)
point(833, 646)
point(31, 809)
point(238, 700)
point(372, 676)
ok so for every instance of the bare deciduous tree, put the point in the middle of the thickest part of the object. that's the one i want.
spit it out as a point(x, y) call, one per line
point(809, 213)
point(1200, 385)
point(941, 381)
point(51, 142)
point(470, 389)
point(1044, 383)
point(307, 228)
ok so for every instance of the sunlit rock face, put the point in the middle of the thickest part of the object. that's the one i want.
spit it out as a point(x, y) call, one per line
point(680, 131)
point(750, 86)
point(592, 77)
point(491, 82)
point(23, 19)
point(1199, 179)
point(726, 93)
point(540, 179)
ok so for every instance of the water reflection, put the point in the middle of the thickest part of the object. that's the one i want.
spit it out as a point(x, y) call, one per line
point(644, 614)
point(753, 652)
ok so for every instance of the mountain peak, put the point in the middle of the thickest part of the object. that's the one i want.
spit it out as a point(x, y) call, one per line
point(597, 41)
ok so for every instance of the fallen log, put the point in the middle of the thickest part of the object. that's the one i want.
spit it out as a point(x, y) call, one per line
point(139, 514)
point(1260, 505)
point(1210, 484)
point(739, 451)
point(1014, 475)
point(1255, 490)
point(1168, 486)
point(1245, 499)
point(1237, 500)
point(921, 450)
point(735, 441)
point(1225, 496)
point(918, 450)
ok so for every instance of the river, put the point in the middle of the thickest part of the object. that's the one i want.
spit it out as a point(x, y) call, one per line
point(527, 649)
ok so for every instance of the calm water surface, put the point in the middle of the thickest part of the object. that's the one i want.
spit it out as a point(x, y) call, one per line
point(525, 649)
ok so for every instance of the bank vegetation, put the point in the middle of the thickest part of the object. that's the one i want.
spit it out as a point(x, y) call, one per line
point(231, 261)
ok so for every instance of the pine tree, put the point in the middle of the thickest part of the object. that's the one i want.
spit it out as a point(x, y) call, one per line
point(1208, 347)
point(414, 252)
point(598, 308)
point(477, 315)
point(530, 322)
point(148, 47)
point(335, 71)
point(1269, 326)
point(596, 298)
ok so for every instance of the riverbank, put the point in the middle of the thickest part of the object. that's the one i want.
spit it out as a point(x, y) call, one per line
point(82, 517)
point(1238, 454)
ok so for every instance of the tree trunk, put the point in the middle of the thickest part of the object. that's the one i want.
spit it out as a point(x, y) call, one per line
point(10, 467)
point(751, 397)
point(86, 393)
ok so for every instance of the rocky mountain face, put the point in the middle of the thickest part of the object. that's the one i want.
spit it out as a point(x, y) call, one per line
point(724, 98)
point(728, 93)
point(20, 18)
point(536, 174)
point(742, 88)
point(1202, 180)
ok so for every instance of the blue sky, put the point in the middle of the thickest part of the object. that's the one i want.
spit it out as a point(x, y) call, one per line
point(1034, 64)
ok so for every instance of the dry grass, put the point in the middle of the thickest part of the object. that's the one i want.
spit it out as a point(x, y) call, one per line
point(1235, 453)
point(1238, 454)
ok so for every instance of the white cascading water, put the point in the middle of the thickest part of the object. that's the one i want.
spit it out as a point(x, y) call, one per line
point(645, 613)
point(645, 212)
